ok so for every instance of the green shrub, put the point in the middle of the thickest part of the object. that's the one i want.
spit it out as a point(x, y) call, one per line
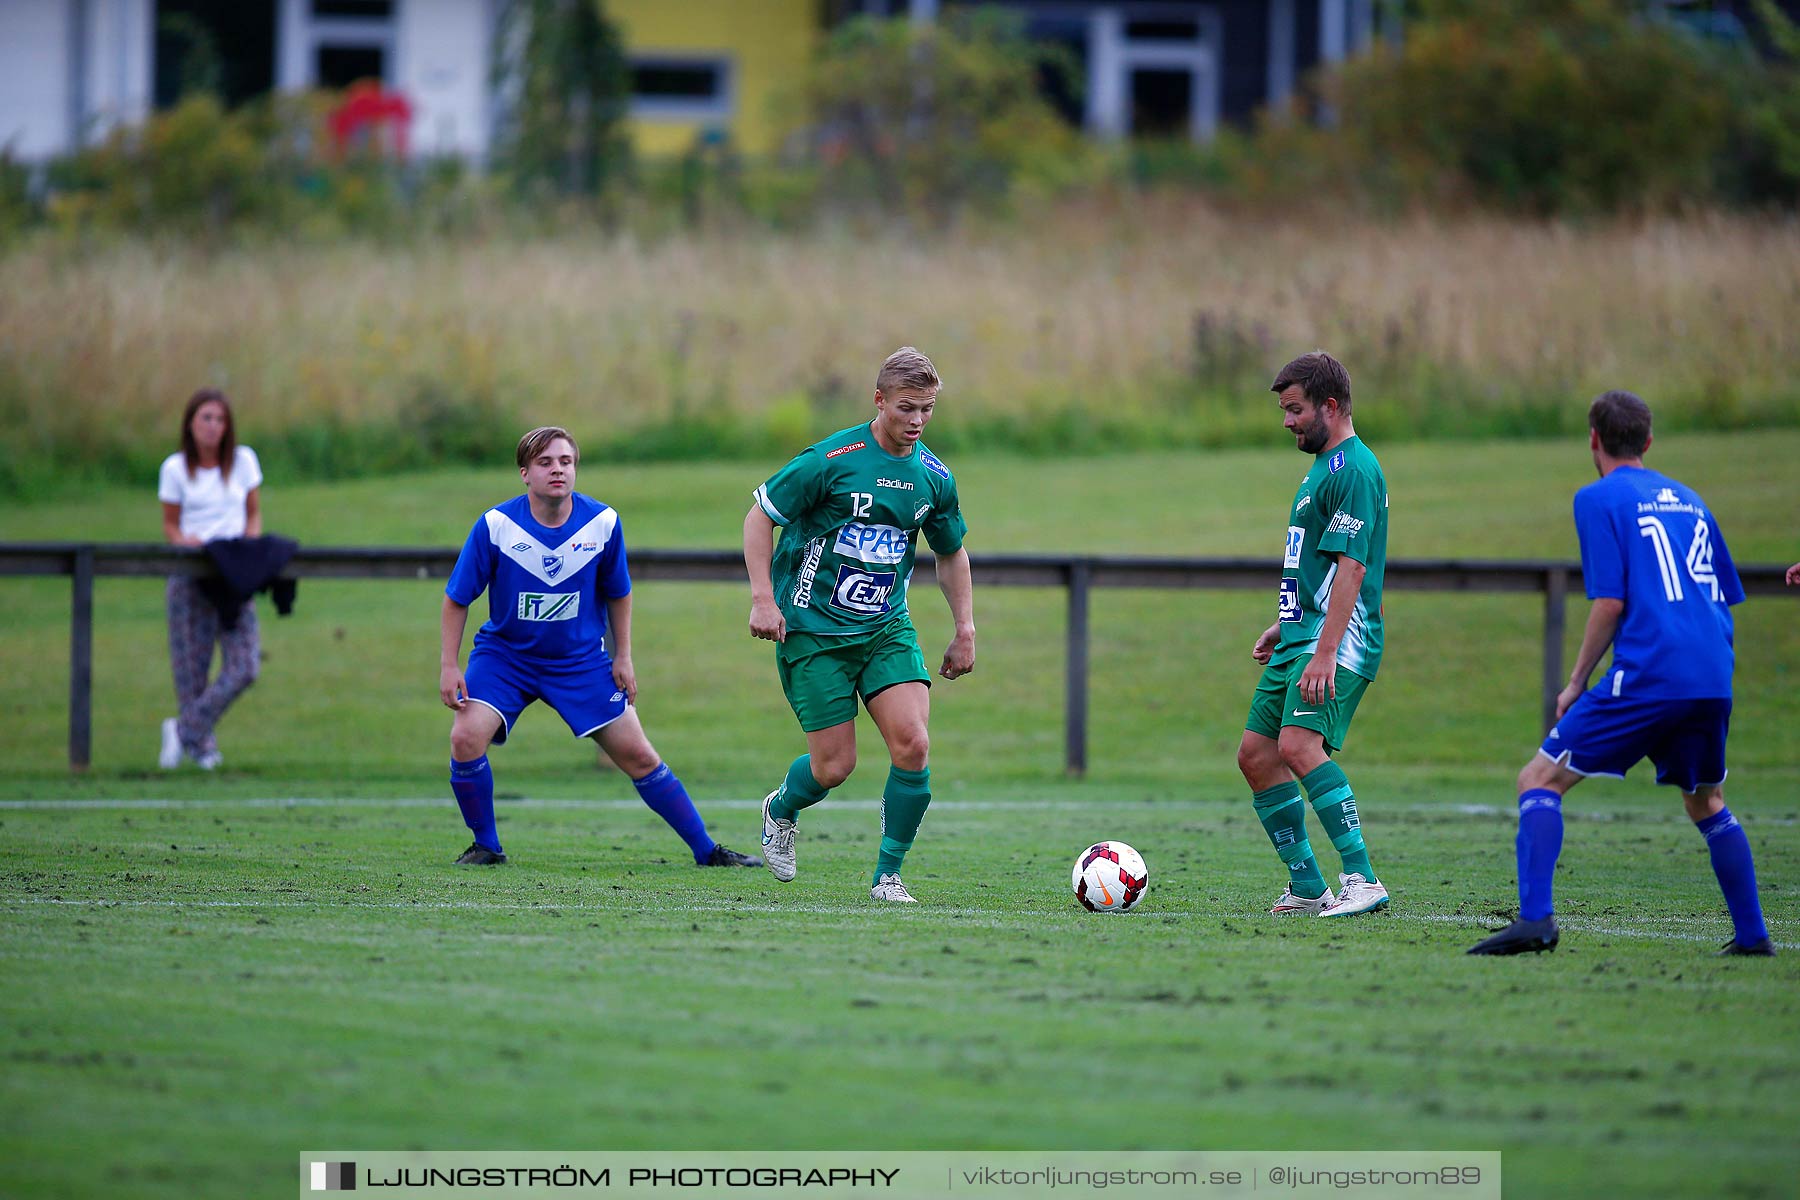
point(1542, 106)
point(933, 118)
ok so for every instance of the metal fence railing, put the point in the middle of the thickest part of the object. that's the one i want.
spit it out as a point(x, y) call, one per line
point(1078, 575)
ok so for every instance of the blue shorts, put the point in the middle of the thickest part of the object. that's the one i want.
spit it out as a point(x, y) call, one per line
point(585, 696)
point(1604, 734)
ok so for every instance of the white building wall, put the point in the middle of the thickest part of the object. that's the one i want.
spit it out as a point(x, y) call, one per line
point(119, 44)
point(36, 106)
point(443, 55)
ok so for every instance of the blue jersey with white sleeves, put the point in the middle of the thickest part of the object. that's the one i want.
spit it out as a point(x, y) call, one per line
point(547, 588)
point(1650, 541)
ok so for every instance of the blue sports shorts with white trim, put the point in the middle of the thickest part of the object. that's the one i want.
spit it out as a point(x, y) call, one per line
point(584, 696)
point(1603, 734)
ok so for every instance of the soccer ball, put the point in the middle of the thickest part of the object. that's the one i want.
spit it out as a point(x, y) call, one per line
point(1110, 877)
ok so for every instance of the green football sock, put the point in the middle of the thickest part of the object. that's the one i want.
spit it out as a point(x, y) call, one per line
point(799, 790)
point(1329, 790)
point(903, 804)
point(1283, 817)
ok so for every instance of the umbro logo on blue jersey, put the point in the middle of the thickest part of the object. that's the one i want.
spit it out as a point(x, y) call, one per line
point(521, 547)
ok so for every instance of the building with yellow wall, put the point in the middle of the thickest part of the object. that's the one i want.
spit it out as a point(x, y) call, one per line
point(712, 66)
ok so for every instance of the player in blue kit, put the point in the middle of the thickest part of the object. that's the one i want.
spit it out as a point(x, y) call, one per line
point(1662, 582)
point(552, 562)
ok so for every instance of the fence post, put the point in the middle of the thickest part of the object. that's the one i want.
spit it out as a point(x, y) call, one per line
point(1075, 699)
point(81, 657)
point(1556, 591)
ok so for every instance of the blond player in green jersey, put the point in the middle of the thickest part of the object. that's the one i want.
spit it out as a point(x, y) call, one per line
point(1322, 651)
point(832, 596)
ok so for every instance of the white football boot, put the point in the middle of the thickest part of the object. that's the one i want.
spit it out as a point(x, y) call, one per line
point(1355, 895)
point(170, 757)
point(1290, 904)
point(889, 887)
point(778, 843)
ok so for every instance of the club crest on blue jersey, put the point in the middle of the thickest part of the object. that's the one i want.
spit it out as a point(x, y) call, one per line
point(1337, 462)
point(553, 565)
point(881, 544)
point(865, 593)
point(931, 463)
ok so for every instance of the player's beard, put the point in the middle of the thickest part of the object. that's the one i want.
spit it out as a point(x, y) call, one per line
point(1314, 436)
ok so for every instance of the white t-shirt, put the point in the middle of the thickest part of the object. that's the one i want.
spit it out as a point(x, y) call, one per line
point(211, 506)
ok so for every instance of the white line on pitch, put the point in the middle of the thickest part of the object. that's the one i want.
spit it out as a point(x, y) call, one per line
point(1472, 923)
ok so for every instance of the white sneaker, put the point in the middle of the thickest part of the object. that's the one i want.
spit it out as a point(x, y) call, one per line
point(889, 887)
point(1356, 895)
point(778, 842)
point(170, 758)
point(209, 760)
point(1290, 903)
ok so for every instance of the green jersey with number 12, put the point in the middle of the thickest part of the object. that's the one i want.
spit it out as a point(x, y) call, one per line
point(850, 515)
point(1340, 509)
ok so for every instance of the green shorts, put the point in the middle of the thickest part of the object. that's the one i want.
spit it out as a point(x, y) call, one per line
point(822, 676)
point(1277, 703)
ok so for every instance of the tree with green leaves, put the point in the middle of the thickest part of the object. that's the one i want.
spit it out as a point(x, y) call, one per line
point(935, 116)
point(565, 86)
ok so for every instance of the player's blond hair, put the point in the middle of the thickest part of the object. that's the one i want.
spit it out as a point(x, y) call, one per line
point(907, 367)
point(533, 443)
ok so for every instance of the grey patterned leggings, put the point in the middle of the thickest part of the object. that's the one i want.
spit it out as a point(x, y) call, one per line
point(193, 628)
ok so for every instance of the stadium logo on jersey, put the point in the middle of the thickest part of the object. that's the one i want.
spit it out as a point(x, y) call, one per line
point(903, 485)
point(1290, 600)
point(865, 593)
point(1337, 462)
point(1345, 524)
point(845, 449)
point(549, 606)
point(553, 565)
point(931, 463)
point(881, 544)
point(1295, 540)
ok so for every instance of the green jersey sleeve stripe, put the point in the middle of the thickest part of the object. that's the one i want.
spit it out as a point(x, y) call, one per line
point(774, 514)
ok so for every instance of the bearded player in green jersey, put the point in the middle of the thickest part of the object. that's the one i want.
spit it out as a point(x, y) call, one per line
point(833, 595)
point(1322, 651)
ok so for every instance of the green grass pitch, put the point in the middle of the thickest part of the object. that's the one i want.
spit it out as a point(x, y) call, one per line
point(205, 974)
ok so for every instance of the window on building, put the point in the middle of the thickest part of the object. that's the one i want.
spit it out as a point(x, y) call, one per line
point(222, 46)
point(353, 8)
point(1163, 30)
point(680, 88)
point(1162, 102)
point(341, 66)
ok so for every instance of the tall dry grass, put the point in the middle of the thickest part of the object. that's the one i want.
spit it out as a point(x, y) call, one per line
point(1162, 318)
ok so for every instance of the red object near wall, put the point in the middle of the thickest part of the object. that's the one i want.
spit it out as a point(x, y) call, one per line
point(371, 117)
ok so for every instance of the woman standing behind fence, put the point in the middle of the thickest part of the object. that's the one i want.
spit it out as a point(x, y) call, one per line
point(210, 488)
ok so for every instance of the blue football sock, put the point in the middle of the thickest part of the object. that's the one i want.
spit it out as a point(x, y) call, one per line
point(473, 785)
point(1730, 851)
point(663, 792)
point(1540, 841)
